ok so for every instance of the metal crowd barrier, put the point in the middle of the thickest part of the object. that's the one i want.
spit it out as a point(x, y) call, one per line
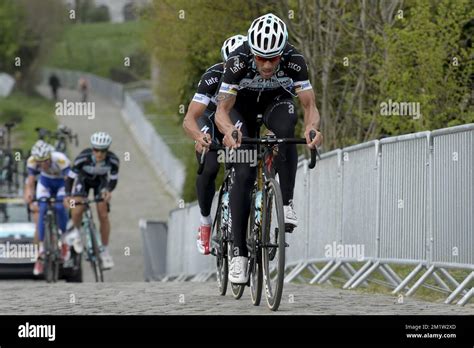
point(406, 200)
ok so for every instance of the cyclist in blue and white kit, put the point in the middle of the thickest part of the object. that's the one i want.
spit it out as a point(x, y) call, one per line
point(52, 167)
point(199, 125)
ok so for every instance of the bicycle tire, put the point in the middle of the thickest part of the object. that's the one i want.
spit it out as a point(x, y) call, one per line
point(255, 264)
point(222, 267)
point(273, 292)
point(97, 262)
point(47, 262)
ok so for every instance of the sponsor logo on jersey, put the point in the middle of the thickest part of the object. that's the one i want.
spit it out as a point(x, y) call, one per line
point(259, 83)
point(211, 81)
point(205, 129)
point(294, 66)
point(237, 65)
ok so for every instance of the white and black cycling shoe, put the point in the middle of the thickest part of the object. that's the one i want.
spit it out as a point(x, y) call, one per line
point(291, 221)
point(238, 270)
point(107, 261)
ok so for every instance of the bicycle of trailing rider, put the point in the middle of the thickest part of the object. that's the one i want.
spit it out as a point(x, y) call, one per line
point(91, 239)
point(221, 237)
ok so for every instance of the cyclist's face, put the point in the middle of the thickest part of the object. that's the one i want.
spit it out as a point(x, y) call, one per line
point(267, 66)
point(45, 165)
point(99, 154)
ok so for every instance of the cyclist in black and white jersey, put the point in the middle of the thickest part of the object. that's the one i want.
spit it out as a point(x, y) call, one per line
point(261, 77)
point(95, 168)
point(199, 126)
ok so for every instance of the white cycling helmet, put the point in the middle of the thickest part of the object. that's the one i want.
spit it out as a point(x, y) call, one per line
point(231, 44)
point(267, 36)
point(101, 140)
point(41, 150)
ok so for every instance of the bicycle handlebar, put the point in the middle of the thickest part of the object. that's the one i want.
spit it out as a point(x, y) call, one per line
point(264, 141)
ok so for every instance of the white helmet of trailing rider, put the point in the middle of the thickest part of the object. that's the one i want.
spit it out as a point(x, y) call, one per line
point(267, 36)
point(101, 140)
point(231, 44)
point(41, 150)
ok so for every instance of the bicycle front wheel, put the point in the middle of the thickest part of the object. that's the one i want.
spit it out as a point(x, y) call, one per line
point(273, 244)
point(96, 261)
point(222, 267)
point(255, 260)
point(48, 253)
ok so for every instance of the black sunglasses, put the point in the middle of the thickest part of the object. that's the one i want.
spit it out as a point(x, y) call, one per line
point(99, 150)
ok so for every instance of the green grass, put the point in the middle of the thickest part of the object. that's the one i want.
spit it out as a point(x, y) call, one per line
point(338, 279)
point(98, 47)
point(28, 112)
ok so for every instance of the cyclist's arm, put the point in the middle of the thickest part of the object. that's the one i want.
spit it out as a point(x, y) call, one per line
point(113, 176)
point(191, 128)
point(30, 185)
point(311, 113)
point(311, 117)
point(298, 71)
point(225, 103)
point(32, 172)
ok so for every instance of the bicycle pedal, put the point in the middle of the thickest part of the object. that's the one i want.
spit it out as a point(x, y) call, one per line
point(289, 228)
point(287, 245)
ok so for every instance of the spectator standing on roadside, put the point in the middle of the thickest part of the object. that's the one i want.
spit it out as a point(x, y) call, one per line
point(54, 84)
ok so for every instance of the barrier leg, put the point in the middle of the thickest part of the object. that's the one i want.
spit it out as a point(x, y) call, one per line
point(321, 273)
point(458, 290)
point(392, 273)
point(388, 276)
point(408, 279)
point(353, 271)
point(295, 272)
point(466, 297)
point(357, 274)
point(441, 282)
point(451, 279)
point(420, 281)
point(331, 271)
point(365, 275)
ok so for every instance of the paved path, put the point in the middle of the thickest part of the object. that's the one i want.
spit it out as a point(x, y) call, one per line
point(139, 193)
point(200, 298)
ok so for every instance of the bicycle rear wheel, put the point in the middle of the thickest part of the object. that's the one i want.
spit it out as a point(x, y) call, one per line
point(273, 240)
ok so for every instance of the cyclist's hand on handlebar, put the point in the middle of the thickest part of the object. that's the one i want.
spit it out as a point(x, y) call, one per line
point(67, 202)
point(28, 197)
point(229, 140)
point(204, 141)
point(318, 140)
point(106, 196)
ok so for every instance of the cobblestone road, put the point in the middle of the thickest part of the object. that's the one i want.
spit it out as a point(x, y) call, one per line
point(199, 298)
